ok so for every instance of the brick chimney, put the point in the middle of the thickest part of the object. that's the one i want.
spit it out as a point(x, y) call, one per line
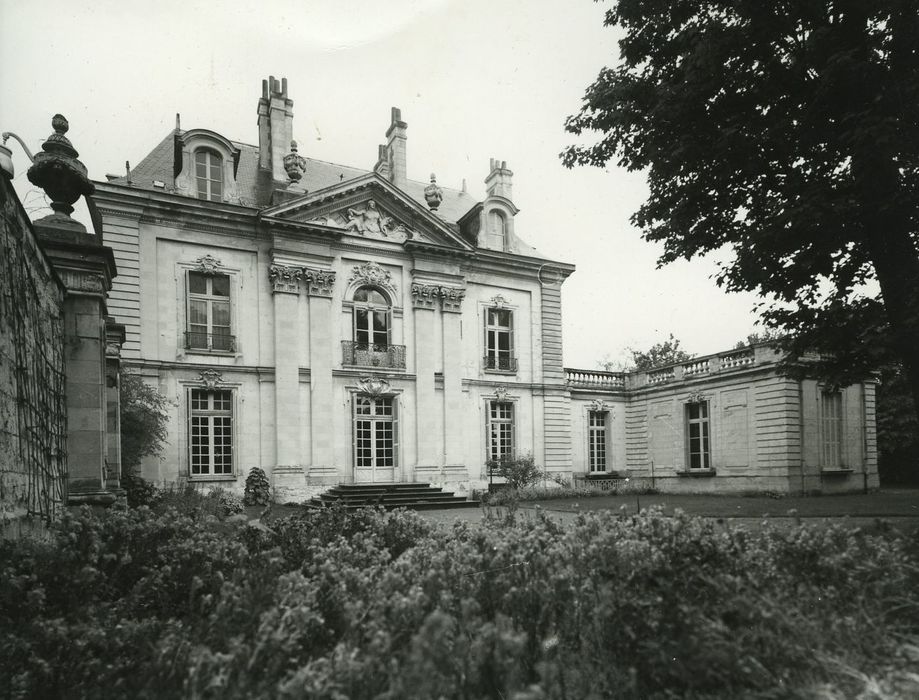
point(395, 148)
point(499, 180)
point(275, 127)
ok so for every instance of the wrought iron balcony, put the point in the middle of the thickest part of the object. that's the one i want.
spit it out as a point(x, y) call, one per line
point(372, 355)
point(210, 341)
point(501, 364)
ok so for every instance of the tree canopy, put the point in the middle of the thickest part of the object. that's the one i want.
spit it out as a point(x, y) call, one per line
point(788, 133)
point(143, 421)
point(668, 352)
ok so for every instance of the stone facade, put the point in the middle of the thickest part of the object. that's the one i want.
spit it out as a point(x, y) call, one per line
point(331, 324)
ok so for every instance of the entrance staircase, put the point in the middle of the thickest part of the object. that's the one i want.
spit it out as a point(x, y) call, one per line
point(414, 496)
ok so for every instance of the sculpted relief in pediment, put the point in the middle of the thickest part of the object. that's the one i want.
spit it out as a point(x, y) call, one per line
point(367, 220)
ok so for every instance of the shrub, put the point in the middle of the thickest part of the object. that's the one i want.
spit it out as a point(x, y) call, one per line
point(516, 471)
point(140, 492)
point(258, 491)
point(375, 604)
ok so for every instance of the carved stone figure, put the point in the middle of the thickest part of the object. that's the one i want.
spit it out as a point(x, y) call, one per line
point(368, 220)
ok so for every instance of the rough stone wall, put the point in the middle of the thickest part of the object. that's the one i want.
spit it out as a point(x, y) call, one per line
point(32, 414)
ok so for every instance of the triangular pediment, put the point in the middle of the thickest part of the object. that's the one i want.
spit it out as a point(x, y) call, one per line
point(369, 207)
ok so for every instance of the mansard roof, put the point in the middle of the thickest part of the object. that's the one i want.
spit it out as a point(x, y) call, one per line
point(255, 186)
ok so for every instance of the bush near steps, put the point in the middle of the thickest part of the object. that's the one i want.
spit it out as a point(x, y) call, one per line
point(371, 604)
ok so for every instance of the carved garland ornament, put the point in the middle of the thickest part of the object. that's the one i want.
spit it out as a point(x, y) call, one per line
point(696, 398)
point(207, 265)
point(373, 386)
point(598, 405)
point(210, 378)
point(372, 273)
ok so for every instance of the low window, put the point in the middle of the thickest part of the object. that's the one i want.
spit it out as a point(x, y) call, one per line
point(499, 340)
point(697, 432)
point(209, 313)
point(500, 430)
point(209, 175)
point(210, 428)
point(596, 441)
point(831, 429)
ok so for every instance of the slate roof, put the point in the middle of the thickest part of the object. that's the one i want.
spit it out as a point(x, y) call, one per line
point(255, 186)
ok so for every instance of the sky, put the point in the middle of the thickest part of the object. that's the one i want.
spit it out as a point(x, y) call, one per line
point(475, 79)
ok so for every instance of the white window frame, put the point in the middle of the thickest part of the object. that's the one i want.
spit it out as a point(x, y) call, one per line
point(372, 309)
point(494, 435)
point(702, 424)
point(496, 223)
point(831, 430)
point(210, 415)
point(494, 356)
point(374, 419)
point(212, 159)
point(209, 299)
point(597, 441)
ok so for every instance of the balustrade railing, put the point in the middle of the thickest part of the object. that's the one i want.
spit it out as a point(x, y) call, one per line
point(595, 378)
point(210, 341)
point(372, 355)
point(503, 364)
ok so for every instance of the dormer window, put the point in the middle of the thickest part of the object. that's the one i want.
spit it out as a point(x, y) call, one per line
point(497, 230)
point(209, 175)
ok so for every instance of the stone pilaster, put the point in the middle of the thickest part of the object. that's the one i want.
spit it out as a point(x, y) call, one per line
point(285, 286)
point(451, 304)
point(319, 286)
point(425, 301)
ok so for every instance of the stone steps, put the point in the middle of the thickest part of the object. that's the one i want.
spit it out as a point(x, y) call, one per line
point(416, 496)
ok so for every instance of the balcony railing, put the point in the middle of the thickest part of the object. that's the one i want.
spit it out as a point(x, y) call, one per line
point(210, 341)
point(595, 378)
point(501, 364)
point(372, 355)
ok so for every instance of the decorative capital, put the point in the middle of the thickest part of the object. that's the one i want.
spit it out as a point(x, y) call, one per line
point(207, 265)
point(84, 281)
point(210, 378)
point(373, 386)
point(285, 279)
point(425, 296)
point(451, 298)
point(320, 282)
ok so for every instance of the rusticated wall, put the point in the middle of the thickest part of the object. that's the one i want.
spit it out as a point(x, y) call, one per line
point(32, 411)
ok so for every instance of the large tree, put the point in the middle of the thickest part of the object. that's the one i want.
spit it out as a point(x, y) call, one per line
point(788, 132)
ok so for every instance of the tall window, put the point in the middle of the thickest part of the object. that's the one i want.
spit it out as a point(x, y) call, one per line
point(209, 175)
point(831, 429)
point(697, 431)
point(596, 441)
point(375, 434)
point(209, 313)
point(210, 432)
point(499, 340)
point(497, 230)
point(371, 319)
point(500, 430)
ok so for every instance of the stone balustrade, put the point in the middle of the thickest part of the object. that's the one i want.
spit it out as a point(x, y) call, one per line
point(706, 366)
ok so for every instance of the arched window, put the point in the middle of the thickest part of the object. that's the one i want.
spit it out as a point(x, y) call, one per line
point(497, 229)
point(372, 315)
point(209, 175)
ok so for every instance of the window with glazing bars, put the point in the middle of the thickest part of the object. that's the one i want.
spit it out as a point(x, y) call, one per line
point(371, 319)
point(375, 432)
point(500, 430)
point(209, 175)
point(209, 312)
point(831, 429)
point(596, 441)
point(697, 431)
point(210, 428)
point(499, 339)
